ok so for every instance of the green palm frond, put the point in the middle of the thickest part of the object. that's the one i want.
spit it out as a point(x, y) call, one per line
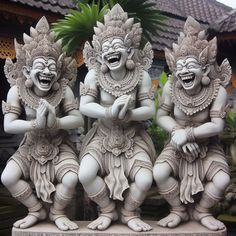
point(77, 27)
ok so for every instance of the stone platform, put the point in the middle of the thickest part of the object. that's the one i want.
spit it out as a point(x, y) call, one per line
point(49, 229)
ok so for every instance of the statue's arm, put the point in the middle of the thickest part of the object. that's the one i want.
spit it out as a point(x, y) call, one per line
point(216, 124)
point(146, 109)
point(73, 118)
point(163, 117)
point(88, 105)
point(12, 110)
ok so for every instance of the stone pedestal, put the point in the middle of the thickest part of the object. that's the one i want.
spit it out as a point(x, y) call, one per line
point(49, 229)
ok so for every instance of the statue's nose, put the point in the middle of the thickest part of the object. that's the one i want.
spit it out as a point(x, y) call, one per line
point(46, 70)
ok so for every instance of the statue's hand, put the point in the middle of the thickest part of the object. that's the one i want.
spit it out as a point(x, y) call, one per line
point(191, 149)
point(51, 119)
point(51, 116)
point(125, 108)
point(118, 104)
point(41, 114)
point(179, 138)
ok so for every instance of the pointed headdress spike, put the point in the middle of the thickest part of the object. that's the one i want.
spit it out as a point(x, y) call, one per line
point(43, 26)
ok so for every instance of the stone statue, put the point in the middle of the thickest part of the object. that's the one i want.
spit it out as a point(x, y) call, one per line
point(116, 155)
point(191, 171)
point(40, 90)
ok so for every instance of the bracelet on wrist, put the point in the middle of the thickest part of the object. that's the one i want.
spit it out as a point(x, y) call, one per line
point(108, 112)
point(190, 134)
point(34, 124)
point(56, 124)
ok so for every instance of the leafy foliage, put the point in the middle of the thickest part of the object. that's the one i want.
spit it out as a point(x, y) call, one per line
point(162, 82)
point(159, 136)
point(230, 125)
point(77, 27)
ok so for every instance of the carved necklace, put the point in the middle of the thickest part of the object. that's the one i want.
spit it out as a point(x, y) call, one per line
point(30, 99)
point(120, 87)
point(191, 104)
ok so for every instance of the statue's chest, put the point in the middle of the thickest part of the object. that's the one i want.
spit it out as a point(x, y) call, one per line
point(31, 113)
point(108, 99)
point(194, 104)
point(117, 88)
point(196, 118)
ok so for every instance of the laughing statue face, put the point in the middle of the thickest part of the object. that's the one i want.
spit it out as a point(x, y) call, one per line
point(114, 54)
point(43, 73)
point(189, 73)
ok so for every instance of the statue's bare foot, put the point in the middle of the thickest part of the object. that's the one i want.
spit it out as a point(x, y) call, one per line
point(63, 223)
point(31, 219)
point(211, 223)
point(172, 220)
point(138, 225)
point(101, 223)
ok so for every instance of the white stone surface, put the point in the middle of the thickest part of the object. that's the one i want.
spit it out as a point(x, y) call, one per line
point(49, 229)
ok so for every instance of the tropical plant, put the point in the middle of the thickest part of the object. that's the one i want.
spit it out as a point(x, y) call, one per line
point(159, 136)
point(230, 124)
point(77, 26)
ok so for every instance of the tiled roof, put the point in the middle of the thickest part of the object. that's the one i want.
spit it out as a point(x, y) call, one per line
point(227, 23)
point(55, 6)
point(202, 10)
point(205, 11)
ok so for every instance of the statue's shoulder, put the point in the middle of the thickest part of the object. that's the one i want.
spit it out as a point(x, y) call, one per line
point(91, 77)
point(13, 92)
point(221, 93)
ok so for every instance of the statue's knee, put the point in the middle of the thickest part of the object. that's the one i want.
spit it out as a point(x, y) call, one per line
point(86, 177)
point(8, 178)
point(70, 179)
point(160, 174)
point(144, 179)
point(221, 180)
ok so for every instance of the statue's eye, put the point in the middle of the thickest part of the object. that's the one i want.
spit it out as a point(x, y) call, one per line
point(39, 67)
point(179, 67)
point(52, 68)
point(192, 66)
point(118, 45)
point(105, 49)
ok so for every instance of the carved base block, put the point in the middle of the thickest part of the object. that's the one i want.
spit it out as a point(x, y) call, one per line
point(49, 229)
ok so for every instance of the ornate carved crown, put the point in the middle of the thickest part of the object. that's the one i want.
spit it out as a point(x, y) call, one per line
point(40, 42)
point(117, 23)
point(192, 42)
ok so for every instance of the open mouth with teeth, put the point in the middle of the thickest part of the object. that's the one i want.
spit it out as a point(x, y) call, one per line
point(187, 79)
point(45, 80)
point(113, 59)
